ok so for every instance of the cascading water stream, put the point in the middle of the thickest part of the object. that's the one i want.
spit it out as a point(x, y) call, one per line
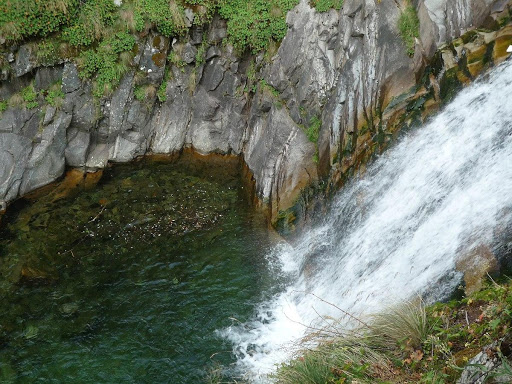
point(442, 192)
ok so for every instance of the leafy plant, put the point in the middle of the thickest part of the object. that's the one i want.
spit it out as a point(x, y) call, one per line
point(32, 104)
point(47, 52)
point(29, 94)
point(104, 63)
point(3, 106)
point(167, 16)
point(201, 51)
point(91, 22)
point(20, 19)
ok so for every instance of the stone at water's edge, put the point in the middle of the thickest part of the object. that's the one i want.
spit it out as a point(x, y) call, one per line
point(488, 364)
point(344, 68)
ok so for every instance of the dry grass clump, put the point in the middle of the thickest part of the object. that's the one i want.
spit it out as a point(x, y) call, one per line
point(362, 354)
point(410, 343)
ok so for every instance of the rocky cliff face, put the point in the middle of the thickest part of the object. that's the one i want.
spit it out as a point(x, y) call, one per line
point(347, 71)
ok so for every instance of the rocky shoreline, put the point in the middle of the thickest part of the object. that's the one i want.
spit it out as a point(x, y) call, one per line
point(345, 73)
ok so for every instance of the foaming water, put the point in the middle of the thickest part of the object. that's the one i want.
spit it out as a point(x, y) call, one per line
point(444, 191)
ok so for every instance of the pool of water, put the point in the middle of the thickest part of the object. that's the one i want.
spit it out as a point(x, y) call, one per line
point(129, 281)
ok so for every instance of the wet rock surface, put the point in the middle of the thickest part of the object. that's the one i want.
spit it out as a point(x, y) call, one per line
point(346, 69)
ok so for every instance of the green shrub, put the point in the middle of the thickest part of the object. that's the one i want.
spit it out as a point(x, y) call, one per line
point(201, 52)
point(104, 64)
point(90, 63)
point(326, 5)
point(20, 19)
point(3, 106)
point(120, 42)
point(409, 27)
point(167, 16)
point(29, 96)
point(108, 78)
point(253, 24)
point(91, 22)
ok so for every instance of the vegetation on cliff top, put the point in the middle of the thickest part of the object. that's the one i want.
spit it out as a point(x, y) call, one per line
point(100, 34)
point(409, 343)
point(251, 25)
point(83, 21)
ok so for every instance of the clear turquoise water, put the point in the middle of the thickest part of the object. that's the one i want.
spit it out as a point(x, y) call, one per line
point(128, 282)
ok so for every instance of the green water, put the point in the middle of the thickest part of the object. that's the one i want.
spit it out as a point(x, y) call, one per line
point(128, 282)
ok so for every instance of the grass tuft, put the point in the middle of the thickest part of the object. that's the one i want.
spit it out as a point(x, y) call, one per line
point(409, 27)
point(405, 323)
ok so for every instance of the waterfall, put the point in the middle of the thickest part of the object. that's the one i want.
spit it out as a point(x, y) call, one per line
point(440, 193)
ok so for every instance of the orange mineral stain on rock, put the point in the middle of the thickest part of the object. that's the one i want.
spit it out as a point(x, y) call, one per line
point(73, 181)
point(476, 264)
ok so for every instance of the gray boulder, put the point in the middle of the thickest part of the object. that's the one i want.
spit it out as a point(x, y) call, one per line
point(25, 60)
point(487, 367)
point(47, 161)
point(70, 80)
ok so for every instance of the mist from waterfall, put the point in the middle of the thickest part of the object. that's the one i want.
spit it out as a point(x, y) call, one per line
point(443, 191)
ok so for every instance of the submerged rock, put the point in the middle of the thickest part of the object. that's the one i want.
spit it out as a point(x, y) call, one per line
point(34, 276)
point(69, 309)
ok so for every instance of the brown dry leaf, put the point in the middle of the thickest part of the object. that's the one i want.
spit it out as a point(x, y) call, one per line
point(417, 355)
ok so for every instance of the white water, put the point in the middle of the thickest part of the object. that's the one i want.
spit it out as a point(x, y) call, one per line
point(397, 232)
